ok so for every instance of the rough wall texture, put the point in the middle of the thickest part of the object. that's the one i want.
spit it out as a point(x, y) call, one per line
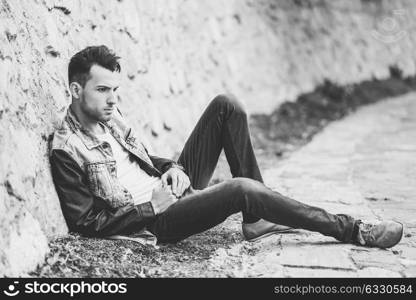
point(177, 54)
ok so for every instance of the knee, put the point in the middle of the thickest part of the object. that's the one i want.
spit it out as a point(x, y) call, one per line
point(244, 185)
point(229, 103)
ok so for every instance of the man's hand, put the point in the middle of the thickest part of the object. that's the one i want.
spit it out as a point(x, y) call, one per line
point(180, 181)
point(162, 198)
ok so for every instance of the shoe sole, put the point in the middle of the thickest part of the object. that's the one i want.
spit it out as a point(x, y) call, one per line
point(269, 234)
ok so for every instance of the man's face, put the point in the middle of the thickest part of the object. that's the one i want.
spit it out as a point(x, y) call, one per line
point(98, 98)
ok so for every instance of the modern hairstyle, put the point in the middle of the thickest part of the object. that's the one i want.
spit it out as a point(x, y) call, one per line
point(81, 63)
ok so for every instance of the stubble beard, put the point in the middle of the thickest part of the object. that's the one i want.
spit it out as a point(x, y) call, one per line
point(95, 116)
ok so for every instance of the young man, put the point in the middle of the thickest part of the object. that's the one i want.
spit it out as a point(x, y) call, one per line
point(108, 184)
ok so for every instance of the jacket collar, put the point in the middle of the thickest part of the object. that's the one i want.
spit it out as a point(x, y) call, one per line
point(91, 141)
point(87, 137)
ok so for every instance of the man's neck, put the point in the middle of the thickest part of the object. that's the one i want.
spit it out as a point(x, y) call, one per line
point(86, 122)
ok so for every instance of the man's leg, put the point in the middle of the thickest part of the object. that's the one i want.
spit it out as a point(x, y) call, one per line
point(223, 125)
point(204, 209)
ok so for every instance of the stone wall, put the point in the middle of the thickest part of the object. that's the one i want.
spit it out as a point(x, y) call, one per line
point(177, 55)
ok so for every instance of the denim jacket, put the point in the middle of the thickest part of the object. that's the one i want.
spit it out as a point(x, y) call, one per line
point(84, 172)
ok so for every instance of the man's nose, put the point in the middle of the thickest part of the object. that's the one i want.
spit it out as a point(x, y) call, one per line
point(112, 98)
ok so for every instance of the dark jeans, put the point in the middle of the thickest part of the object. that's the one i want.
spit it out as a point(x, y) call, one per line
point(224, 125)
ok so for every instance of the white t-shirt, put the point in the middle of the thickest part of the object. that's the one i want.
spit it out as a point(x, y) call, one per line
point(130, 175)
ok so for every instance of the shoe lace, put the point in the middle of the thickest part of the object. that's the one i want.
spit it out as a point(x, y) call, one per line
point(365, 233)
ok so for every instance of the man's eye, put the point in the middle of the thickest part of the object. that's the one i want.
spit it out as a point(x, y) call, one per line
point(102, 89)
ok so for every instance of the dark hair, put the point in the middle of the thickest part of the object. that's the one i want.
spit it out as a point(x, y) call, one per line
point(81, 63)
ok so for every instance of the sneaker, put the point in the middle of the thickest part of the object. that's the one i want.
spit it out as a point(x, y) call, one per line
point(382, 234)
point(262, 228)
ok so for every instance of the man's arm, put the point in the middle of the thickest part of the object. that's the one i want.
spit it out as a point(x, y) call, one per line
point(173, 173)
point(164, 164)
point(87, 213)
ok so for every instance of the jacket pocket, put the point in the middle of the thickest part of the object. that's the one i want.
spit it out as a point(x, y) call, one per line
point(101, 183)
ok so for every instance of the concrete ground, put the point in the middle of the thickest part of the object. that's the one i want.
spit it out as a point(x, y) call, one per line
point(363, 165)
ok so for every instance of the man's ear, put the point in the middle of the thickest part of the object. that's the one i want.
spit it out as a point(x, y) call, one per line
point(75, 89)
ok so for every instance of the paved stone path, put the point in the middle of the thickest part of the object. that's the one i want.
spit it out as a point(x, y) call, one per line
point(363, 165)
